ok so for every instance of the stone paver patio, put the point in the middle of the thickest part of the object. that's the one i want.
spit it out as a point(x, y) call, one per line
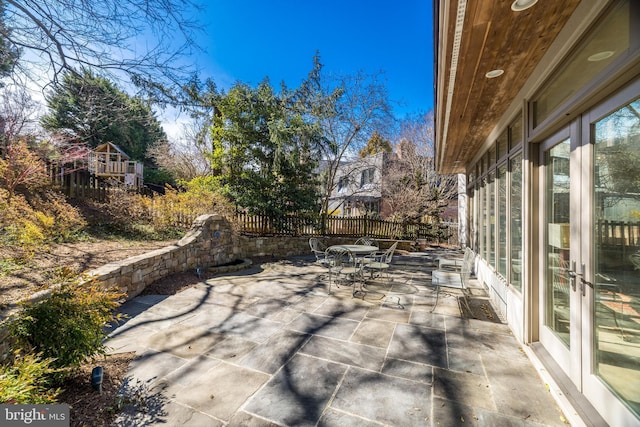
point(269, 347)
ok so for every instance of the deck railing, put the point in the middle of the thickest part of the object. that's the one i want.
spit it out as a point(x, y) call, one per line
point(100, 165)
point(618, 233)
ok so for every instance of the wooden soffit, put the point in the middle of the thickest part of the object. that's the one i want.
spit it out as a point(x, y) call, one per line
point(475, 37)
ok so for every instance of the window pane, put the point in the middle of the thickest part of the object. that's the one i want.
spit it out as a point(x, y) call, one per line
point(367, 177)
point(515, 213)
point(503, 144)
point(482, 211)
point(617, 252)
point(516, 132)
point(473, 221)
point(557, 228)
point(603, 45)
point(491, 211)
point(501, 186)
point(491, 155)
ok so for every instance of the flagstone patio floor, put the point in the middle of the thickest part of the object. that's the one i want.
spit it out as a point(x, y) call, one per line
point(268, 346)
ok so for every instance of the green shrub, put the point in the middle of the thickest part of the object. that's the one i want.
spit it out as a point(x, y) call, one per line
point(26, 233)
point(25, 379)
point(9, 265)
point(29, 221)
point(169, 214)
point(62, 222)
point(69, 325)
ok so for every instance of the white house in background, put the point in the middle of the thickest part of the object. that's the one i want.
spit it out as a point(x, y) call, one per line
point(358, 186)
point(538, 104)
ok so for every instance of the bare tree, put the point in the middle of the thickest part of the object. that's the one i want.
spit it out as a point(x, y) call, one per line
point(140, 39)
point(17, 115)
point(19, 125)
point(361, 108)
point(412, 189)
point(186, 158)
point(21, 167)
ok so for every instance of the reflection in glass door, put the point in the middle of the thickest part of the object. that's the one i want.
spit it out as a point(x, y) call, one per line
point(557, 202)
point(616, 232)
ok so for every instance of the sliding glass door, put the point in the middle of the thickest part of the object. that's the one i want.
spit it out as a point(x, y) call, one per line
point(560, 253)
point(613, 284)
point(589, 253)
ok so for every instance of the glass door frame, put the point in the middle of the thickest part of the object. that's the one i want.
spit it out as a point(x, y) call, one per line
point(592, 386)
point(568, 358)
point(579, 360)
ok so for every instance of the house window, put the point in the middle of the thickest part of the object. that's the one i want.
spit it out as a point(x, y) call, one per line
point(496, 201)
point(502, 144)
point(372, 207)
point(367, 177)
point(343, 183)
point(501, 188)
point(491, 155)
point(348, 208)
point(473, 211)
point(515, 228)
point(515, 133)
point(482, 218)
point(491, 217)
point(586, 62)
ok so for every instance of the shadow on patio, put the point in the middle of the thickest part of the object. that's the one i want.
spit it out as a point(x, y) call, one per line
point(268, 346)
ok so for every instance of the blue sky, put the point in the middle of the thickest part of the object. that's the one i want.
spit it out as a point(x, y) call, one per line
point(246, 40)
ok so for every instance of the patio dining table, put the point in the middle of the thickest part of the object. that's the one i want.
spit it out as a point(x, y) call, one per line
point(358, 252)
point(354, 249)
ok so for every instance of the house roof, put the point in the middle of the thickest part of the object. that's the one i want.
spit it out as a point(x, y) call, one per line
point(473, 38)
point(110, 147)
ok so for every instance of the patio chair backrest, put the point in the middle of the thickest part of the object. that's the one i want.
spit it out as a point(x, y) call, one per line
point(369, 241)
point(318, 249)
point(340, 259)
point(467, 266)
point(388, 255)
point(316, 245)
point(635, 260)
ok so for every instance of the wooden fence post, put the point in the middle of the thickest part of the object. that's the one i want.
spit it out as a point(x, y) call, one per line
point(323, 223)
point(366, 223)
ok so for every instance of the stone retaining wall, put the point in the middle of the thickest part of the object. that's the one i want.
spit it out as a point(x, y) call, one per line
point(211, 242)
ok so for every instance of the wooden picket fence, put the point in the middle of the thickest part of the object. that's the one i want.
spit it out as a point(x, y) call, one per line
point(326, 225)
point(79, 184)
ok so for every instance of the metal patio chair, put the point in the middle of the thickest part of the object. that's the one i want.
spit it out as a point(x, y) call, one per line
point(344, 265)
point(366, 240)
point(380, 263)
point(457, 277)
point(320, 251)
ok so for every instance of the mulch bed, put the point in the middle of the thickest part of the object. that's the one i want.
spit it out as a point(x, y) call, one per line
point(87, 406)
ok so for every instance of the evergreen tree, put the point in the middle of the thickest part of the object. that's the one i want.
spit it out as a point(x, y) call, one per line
point(376, 144)
point(262, 150)
point(88, 109)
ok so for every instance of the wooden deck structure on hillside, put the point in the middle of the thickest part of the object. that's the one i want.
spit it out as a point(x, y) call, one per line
point(109, 161)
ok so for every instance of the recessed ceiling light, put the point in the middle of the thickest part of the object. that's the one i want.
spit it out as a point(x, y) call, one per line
point(520, 5)
point(600, 56)
point(494, 73)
